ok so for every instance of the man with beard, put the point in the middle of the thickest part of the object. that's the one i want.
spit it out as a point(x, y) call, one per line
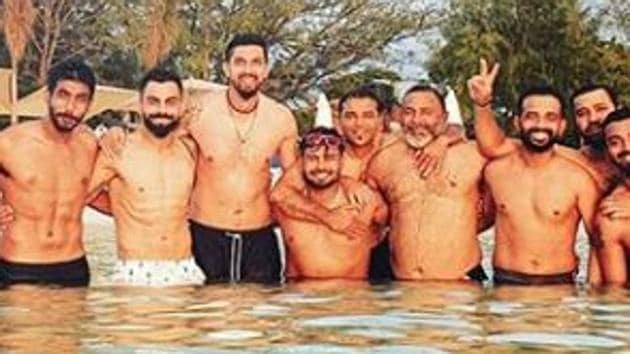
point(149, 184)
point(434, 221)
point(537, 218)
point(591, 105)
point(615, 233)
point(239, 131)
point(45, 168)
point(314, 250)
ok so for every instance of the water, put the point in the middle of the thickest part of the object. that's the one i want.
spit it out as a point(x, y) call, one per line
point(308, 317)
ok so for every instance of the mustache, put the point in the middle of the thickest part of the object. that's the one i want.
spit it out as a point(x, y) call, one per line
point(160, 115)
point(321, 171)
point(242, 76)
point(67, 116)
point(593, 128)
point(539, 130)
point(623, 154)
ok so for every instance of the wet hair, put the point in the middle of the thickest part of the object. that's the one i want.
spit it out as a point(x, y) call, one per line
point(324, 132)
point(590, 87)
point(246, 39)
point(428, 88)
point(161, 75)
point(362, 92)
point(72, 69)
point(621, 114)
point(542, 90)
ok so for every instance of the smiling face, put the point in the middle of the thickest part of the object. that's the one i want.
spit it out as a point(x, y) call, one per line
point(161, 106)
point(617, 135)
point(360, 121)
point(423, 116)
point(247, 69)
point(541, 122)
point(321, 166)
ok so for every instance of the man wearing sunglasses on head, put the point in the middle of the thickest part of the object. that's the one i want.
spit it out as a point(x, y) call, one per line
point(315, 250)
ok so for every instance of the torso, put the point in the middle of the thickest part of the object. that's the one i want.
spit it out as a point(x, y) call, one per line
point(233, 178)
point(433, 221)
point(315, 251)
point(537, 214)
point(150, 199)
point(45, 182)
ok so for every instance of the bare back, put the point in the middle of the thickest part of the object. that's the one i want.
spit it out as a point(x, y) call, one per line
point(433, 221)
point(233, 178)
point(538, 211)
point(45, 181)
point(315, 251)
point(150, 194)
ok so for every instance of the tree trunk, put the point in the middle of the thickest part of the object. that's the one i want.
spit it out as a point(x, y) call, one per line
point(14, 91)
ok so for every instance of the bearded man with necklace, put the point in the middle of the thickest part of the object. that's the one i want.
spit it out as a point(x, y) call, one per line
point(239, 131)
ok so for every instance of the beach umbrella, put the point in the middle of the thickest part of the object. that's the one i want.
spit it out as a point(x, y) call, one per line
point(323, 118)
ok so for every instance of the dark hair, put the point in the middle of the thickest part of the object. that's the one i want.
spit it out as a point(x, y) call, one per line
point(618, 115)
point(303, 145)
point(246, 39)
point(71, 69)
point(428, 88)
point(160, 75)
point(542, 90)
point(362, 92)
point(590, 87)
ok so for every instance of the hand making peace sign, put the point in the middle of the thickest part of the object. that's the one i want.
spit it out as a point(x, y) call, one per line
point(480, 86)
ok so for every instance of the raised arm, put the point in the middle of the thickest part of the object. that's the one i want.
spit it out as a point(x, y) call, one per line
point(493, 142)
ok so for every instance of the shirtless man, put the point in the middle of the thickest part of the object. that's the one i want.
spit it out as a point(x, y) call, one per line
point(614, 255)
point(238, 131)
point(314, 250)
point(361, 123)
point(591, 105)
point(149, 185)
point(434, 221)
point(45, 171)
point(538, 215)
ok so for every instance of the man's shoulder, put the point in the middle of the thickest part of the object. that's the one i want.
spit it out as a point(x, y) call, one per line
point(276, 108)
point(573, 163)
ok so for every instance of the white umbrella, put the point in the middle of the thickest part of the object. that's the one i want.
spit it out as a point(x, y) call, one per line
point(324, 113)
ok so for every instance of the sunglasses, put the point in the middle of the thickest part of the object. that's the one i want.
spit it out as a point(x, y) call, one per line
point(318, 139)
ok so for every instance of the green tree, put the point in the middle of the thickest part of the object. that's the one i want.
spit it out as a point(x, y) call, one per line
point(536, 41)
point(312, 40)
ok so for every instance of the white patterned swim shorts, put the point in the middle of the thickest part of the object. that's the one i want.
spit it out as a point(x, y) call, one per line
point(158, 273)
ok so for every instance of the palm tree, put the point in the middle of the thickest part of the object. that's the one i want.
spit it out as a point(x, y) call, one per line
point(162, 28)
point(18, 20)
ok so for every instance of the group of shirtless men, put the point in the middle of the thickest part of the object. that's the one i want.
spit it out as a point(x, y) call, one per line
point(192, 200)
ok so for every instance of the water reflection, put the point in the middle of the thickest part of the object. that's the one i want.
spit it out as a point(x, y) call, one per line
point(314, 317)
point(309, 317)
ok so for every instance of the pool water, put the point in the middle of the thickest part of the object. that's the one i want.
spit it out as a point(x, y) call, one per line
point(308, 317)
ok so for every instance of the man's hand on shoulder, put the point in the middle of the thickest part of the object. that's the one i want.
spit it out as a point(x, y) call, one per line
point(113, 142)
point(6, 213)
